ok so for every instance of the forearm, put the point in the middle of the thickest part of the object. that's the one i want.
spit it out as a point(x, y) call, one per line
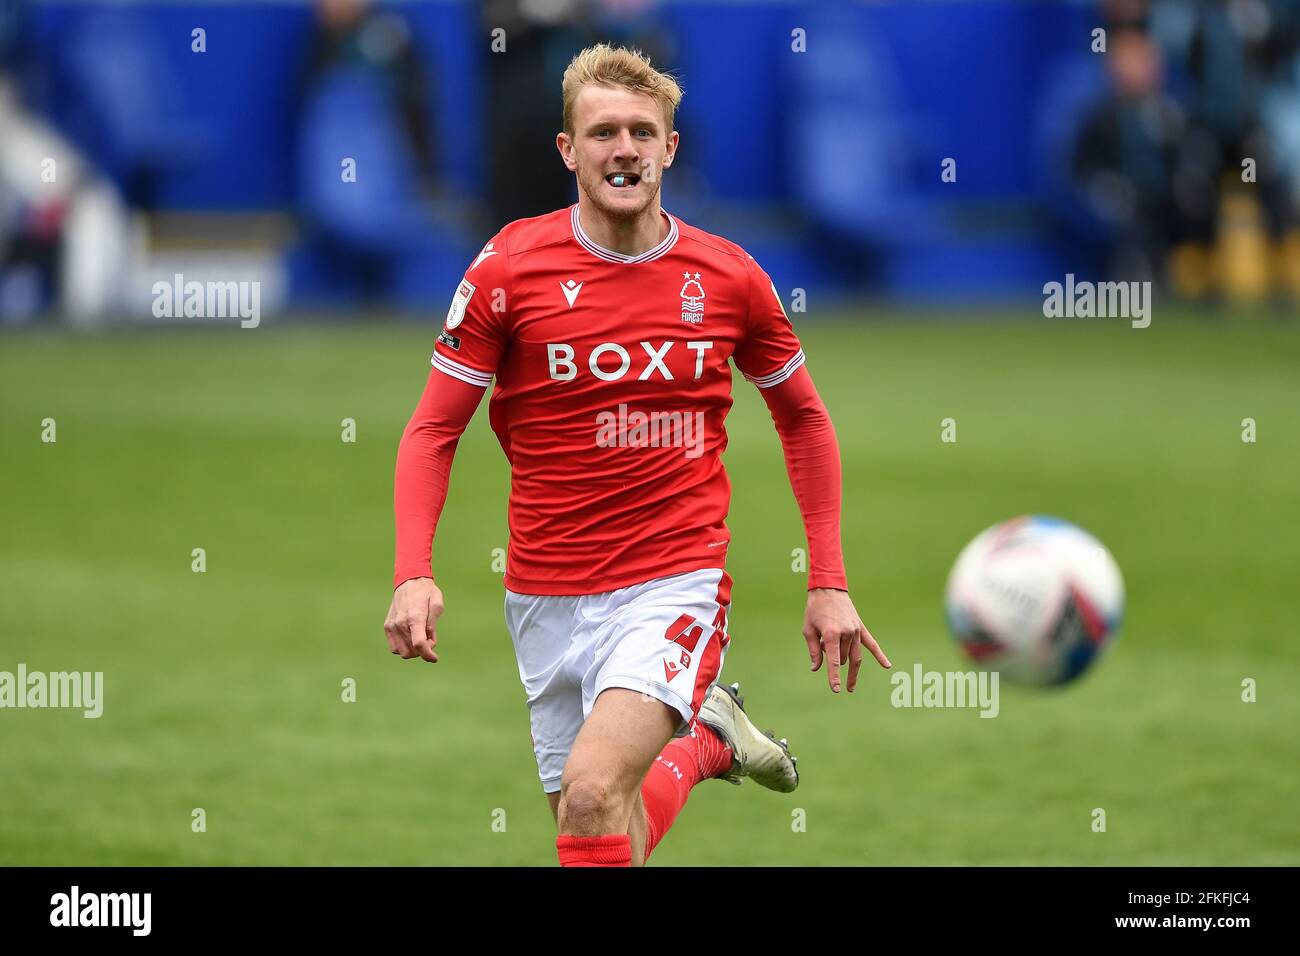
point(423, 470)
point(812, 458)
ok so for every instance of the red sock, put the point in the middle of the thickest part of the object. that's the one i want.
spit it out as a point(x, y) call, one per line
point(612, 850)
point(683, 763)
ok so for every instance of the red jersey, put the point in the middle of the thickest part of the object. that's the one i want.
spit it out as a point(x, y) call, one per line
point(613, 383)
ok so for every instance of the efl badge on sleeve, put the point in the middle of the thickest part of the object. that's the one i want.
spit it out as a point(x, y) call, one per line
point(459, 302)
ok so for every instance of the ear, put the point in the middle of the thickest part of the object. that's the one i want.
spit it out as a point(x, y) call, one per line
point(565, 145)
point(671, 151)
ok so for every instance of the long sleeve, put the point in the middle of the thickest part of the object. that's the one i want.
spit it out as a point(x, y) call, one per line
point(812, 459)
point(423, 469)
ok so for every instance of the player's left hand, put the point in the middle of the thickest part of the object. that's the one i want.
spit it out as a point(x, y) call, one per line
point(836, 634)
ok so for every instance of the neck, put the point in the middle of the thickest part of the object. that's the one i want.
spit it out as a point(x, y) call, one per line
point(631, 237)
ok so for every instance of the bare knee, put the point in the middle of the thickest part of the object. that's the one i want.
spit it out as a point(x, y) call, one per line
point(592, 806)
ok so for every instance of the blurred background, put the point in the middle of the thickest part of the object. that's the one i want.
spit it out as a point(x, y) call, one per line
point(203, 512)
point(210, 139)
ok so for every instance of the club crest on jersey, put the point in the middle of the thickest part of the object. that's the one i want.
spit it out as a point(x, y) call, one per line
point(459, 302)
point(692, 299)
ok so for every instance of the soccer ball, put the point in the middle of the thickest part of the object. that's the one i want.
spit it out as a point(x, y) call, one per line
point(1034, 598)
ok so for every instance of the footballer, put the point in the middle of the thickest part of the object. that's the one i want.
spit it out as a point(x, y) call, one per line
point(609, 327)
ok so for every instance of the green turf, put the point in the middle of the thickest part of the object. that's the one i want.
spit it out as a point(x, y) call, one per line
point(223, 689)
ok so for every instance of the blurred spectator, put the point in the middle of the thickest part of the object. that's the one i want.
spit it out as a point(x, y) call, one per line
point(65, 233)
point(527, 177)
point(365, 154)
point(1236, 50)
point(351, 34)
point(66, 237)
point(71, 235)
point(1165, 168)
point(1127, 157)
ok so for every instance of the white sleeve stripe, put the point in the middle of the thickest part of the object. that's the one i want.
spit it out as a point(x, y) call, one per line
point(792, 362)
point(781, 374)
point(464, 378)
point(453, 365)
point(460, 367)
point(462, 372)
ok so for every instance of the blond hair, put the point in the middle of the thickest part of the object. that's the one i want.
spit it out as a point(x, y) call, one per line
point(605, 65)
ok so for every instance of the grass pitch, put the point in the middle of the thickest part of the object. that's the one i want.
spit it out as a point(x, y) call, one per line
point(223, 690)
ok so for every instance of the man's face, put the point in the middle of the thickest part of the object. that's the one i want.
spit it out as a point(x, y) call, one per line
point(618, 131)
point(1134, 64)
point(340, 13)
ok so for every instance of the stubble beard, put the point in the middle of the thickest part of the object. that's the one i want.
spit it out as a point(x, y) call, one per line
point(593, 183)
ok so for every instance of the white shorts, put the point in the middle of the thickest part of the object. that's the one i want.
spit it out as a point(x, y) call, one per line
point(665, 638)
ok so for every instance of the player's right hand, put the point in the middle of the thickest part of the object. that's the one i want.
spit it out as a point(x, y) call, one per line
point(412, 619)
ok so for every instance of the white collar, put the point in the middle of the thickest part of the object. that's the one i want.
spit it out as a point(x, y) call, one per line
point(609, 255)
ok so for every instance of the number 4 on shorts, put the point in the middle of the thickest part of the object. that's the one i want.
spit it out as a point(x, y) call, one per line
point(687, 632)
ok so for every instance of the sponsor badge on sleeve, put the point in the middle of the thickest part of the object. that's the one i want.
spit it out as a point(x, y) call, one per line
point(459, 302)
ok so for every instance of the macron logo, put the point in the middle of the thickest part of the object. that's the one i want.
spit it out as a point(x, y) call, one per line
point(487, 251)
point(571, 290)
